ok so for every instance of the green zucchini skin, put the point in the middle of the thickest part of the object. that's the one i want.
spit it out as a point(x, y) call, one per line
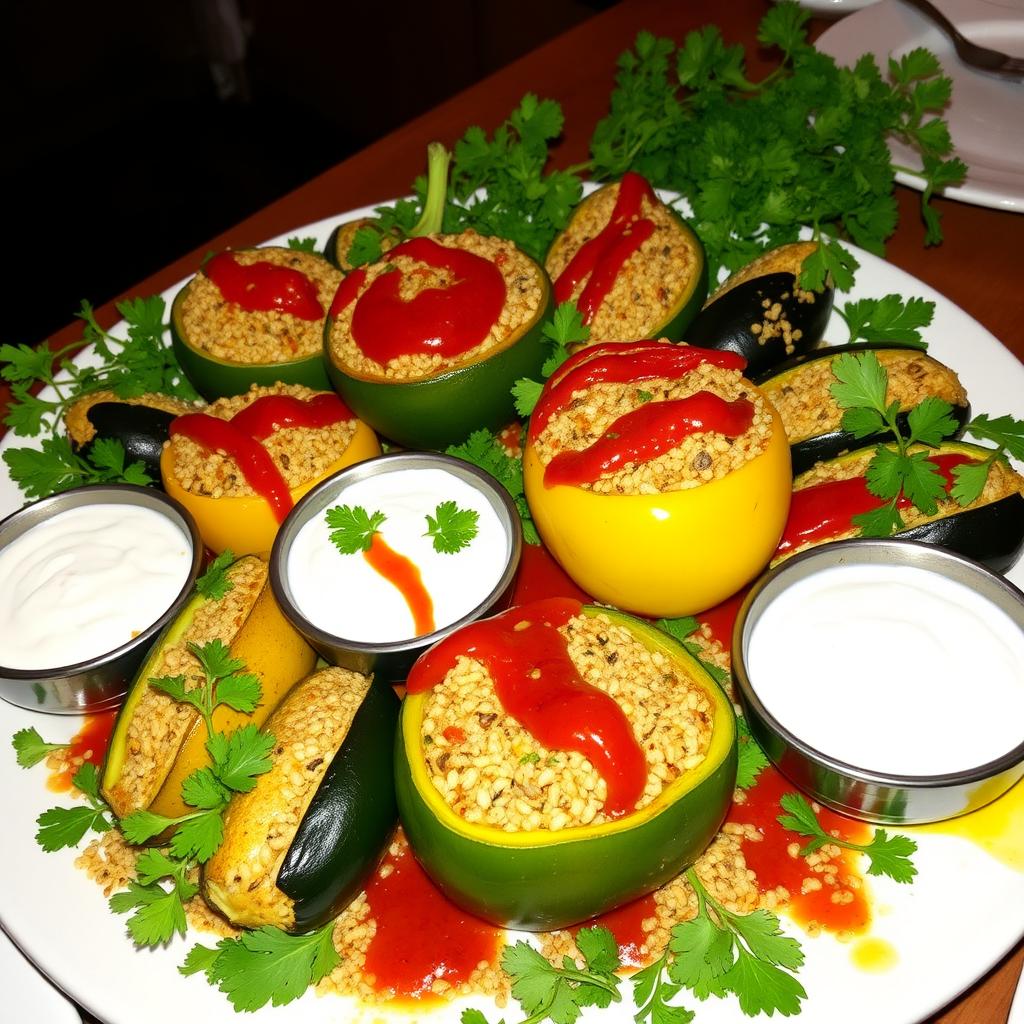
point(833, 443)
point(689, 301)
point(726, 322)
point(350, 819)
point(443, 410)
point(556, 879)
point(217, 378)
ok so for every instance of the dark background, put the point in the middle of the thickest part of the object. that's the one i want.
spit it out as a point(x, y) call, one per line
point(134, 131)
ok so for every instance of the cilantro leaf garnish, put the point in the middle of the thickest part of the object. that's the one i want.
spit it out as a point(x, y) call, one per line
point(889, 318)
point(365, 247)
point(159, 913)
point(565, 328)
point(888, 855)
point(352, 528)
point(60, 827)
point(451, 527)
point(719, 952)
point(752, 759)
point(483, 449)
point(215, 583)
point(1008, 434)
point(302, 244)
point(266, 965)
point(30, 748)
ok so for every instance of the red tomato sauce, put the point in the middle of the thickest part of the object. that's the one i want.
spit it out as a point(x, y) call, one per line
point(403, 574)
point(769, 859)
point(538, 684)
point(647, 432)
point(263, 286)
point(90, 744)
point(421, 936)
point(626, 925)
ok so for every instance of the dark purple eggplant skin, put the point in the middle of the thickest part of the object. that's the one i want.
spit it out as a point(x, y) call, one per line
point(829, 445)
point(140, 428)
point(992, 534)
point(725, 323)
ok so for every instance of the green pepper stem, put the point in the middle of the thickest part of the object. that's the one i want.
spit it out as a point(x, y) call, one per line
point(430, 220)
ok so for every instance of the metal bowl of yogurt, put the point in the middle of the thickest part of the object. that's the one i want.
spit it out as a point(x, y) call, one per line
point(886, 678)
point(356, 617)
point(88, 578)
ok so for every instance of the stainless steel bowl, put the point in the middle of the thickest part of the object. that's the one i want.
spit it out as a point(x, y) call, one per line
point(854, 790)
point(99, 683)
point(390, 660)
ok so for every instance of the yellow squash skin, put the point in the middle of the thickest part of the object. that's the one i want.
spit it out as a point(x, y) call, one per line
point(270, 648)
point(667, 554)
point(246, 525)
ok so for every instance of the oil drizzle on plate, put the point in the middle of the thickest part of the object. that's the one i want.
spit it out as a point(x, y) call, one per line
point(874, 955)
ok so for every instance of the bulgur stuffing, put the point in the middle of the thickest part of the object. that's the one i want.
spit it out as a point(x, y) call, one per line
point(651, 280)
point(698, 459)
point(300, 453)
point(227, 331)
point(309, 726)
point(491, 771)
point(160, 724)
point(805, 403)
point(523, 296)
point(1002, 481)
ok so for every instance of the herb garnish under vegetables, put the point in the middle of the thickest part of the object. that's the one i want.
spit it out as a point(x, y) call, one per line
point(888, 319)
point(452, 528)
point(30, 748)
point(889, 855)
point(352, 528)
point(60, 827)
point(565, 328)
point(894, 471)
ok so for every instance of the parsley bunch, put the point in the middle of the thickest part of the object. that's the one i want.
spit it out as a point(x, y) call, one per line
point(806, 145)
point(565, 328)
point(130, 367)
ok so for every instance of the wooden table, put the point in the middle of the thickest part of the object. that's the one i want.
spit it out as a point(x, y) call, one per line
point(978, 265)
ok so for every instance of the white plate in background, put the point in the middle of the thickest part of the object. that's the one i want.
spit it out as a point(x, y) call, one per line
point(986, 113)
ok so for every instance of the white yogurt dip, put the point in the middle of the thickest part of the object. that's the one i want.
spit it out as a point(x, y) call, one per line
point(893, 669)
point(344, 596)
point(86, 581)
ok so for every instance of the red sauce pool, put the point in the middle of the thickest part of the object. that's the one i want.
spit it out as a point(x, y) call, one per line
point(771, 862)
point(421, 936)
point(90, 744)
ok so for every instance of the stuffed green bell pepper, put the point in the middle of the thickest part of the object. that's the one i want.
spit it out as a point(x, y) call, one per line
point(559, 760)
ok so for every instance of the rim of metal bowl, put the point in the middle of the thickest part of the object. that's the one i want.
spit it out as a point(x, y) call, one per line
point(111, 494)
point(326, 491)
point(872, 551)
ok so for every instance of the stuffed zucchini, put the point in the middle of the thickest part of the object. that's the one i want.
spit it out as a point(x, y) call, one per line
point(299, 845)
point(157, 741)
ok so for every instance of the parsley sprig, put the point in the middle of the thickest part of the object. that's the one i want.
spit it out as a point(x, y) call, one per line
point(61, 827)
point(451, 527)
point(719, 952)
point(485, 450)
point(215, 583)
point(266, 965)
point(565, 328)
point(352, 527)
point(559, 994)
point(30, 748)
point(888, 319)
point(129, 367)
point(889, 855)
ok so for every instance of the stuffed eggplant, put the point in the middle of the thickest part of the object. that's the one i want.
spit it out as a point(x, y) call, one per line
point(158, 742)
point(762, 313)
point(801, 392)
point(299, 845)
point(989, 530)
point(632, 266)
point(140, 424)
point(559, 760)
